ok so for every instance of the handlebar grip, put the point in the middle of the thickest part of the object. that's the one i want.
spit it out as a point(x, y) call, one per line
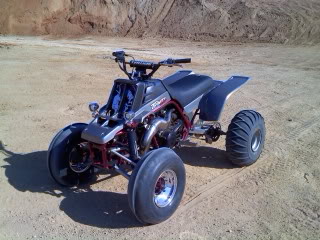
point(143, 64)
point(182, 60)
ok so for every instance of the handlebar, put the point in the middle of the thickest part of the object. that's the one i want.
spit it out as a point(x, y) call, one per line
point(182, 60)
point(151, 65)
point(142, 66)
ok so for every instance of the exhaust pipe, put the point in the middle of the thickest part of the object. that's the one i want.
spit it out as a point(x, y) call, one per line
point(156, 125)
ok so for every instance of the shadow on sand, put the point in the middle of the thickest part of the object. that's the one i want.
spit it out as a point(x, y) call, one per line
point(28, 172)
point(203, 156)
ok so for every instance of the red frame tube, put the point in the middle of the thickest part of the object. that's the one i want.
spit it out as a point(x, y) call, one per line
point(103, 148)
point(187, 122)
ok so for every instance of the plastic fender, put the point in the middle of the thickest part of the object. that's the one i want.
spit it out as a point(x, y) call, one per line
point(57, 136)
point(211, 105)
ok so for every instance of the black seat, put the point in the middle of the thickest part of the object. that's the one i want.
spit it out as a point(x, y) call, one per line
point(185, 89)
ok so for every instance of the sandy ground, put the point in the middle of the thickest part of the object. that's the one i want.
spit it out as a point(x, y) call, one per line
point(46, 84)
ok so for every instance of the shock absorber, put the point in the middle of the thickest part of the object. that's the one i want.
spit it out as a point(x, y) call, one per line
point(132, 142)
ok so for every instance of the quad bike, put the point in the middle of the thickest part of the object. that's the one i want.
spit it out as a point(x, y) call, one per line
point(144, 119)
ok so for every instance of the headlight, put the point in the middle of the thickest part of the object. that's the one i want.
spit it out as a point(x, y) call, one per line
point(93, 106)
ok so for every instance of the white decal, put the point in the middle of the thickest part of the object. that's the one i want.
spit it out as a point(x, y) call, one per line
point(157, 103)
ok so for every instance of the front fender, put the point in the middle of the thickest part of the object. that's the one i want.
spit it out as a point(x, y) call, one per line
point(100, 134)
point(57, 148)
point(211, 104)
point(71, 126)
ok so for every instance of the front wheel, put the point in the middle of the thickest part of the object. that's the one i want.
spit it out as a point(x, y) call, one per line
point(245, 138)
point(156, 186)
point(68, 157)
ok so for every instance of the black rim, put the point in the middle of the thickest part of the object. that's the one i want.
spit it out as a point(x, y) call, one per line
point(79, 159)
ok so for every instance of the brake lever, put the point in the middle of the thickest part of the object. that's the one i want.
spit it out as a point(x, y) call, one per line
point(113, 58)
point(172, 65)
point(108, 57)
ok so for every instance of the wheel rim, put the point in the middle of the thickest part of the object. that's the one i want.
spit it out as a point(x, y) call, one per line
point(165, 188)
point(256, 140)
point(79, 160)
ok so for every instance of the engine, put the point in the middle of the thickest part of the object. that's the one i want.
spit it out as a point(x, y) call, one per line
point(163, 130)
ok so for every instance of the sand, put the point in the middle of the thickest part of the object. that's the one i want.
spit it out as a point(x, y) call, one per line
point(46, 84)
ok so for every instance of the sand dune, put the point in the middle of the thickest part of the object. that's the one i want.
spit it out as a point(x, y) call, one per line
point(278, 21)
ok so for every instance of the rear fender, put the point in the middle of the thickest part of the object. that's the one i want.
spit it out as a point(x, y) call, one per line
point(211, 104)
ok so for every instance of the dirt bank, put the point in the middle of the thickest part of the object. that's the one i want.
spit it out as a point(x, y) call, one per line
point(45, 85)
point(278, 21)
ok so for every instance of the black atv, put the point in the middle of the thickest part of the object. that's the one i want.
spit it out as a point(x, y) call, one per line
point(144, 119)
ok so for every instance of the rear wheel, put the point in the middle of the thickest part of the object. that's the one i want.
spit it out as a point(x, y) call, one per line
point(245, 138)
point(68, 157)
point(156, 186)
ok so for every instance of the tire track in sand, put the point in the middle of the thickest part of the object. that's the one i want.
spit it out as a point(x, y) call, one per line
point(261, 170)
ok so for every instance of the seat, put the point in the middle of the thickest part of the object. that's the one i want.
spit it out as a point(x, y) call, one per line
point(185, 89)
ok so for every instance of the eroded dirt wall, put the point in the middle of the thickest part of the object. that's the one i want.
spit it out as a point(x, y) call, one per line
point(280, 21)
